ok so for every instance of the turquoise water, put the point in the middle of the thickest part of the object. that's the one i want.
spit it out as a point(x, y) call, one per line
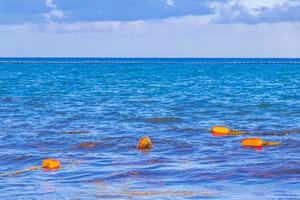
point(111, 103)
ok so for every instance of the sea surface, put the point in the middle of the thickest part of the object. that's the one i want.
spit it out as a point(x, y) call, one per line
point(90, 113)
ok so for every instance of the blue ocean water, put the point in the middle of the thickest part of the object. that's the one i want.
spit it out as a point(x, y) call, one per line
point(90, 114)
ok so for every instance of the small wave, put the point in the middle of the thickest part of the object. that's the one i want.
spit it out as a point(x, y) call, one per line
point(76, 132)
point(143, 101)
point(162, 120)
point(188, 129)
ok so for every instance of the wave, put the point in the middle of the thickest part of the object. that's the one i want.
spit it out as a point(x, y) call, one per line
point(162, 119)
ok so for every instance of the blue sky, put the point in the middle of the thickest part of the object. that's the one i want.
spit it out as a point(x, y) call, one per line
point(150, 28)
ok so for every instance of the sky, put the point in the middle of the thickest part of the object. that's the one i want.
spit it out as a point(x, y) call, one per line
point(150, 28)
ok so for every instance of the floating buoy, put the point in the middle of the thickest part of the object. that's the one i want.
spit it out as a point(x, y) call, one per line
point(223, 131)
point(51, 164)
point(252, 142)
point(145, 143)
point(257, 142)
point(220, 130)
point(48, 164)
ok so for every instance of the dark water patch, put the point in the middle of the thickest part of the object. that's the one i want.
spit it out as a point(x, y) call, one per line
point(133, 174)
point(143, 101)
point(132, 119)
point(283, 173)
point(162, 161)
point(269, 172)
point(188, 129)
point(87, 145)
point(166, 194)
point(177, 108)
point(7, 100)
point(76, 132)
point(9, 110)
point(282, 133)
point(97, 181)
point(158, 120)
point(240, 113)
point(263, 105)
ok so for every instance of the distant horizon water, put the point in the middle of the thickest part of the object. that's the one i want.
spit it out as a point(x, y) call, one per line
point(84, 57)
point(95, 60)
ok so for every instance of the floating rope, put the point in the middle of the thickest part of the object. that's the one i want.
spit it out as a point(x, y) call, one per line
point(278, 133)
point(271, 143)
point(236, 132)
point(34, 168)
point(48, 164)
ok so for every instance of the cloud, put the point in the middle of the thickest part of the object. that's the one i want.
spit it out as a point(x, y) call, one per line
point(99, 26)
point(77, 11)
point(50, 4)
point(54, 13)
point(189, 36)
point(170, 3)
point(231, 28)
point(137, 25)
point(245, 11)
point(129, 10)
point(254, 7)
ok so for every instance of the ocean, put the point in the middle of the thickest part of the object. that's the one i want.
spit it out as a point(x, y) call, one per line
point(90, 114)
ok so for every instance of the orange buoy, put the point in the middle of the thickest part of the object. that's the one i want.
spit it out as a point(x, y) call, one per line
point(51, 164)
point(48, 164)
point(145, 143)
point(257, 142)
point(224, 131)
point(252, 142)
point(220, 130)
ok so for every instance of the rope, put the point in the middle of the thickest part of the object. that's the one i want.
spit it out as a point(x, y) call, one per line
point(271, 143)
point(236, 132)
point(33, 168)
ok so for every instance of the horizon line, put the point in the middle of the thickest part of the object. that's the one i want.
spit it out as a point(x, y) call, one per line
point(87, 57)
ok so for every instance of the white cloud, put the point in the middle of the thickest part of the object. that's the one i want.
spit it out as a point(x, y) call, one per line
point(138, 25)
point(270, 4)
point(97, 26)
point(54, 12)
point(170, 3)
point(183, 23)
point(50, 4)
point(234, 8)
point(190, 36)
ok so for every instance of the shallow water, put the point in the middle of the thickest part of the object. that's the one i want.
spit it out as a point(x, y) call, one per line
point(91, 116)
